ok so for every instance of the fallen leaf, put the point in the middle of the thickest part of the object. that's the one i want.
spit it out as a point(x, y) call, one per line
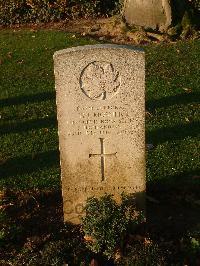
point(147, 241)
point(5, 206)
point(9, 55)
point(187, 90)
point(118, 255)
point(20, 62)
point(2, 194)
point(88, 238)
point(94, 262)
point(1, 62)
point(148, 114)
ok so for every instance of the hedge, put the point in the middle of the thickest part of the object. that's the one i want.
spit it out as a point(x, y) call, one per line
point(34, 11)
point(196, 4)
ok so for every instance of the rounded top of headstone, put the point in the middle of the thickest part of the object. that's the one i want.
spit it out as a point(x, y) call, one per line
point(99, 46)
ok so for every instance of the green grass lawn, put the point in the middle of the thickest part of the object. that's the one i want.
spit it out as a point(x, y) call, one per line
point(173, 80)
point(29, 141)
point(29, 155)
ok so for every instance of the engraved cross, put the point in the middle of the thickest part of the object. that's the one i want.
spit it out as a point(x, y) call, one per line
point(102, 155)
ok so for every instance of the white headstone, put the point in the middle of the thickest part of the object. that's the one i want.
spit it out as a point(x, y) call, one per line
point(100, 92)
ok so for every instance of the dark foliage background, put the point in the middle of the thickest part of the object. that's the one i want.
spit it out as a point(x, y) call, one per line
point(35, 11)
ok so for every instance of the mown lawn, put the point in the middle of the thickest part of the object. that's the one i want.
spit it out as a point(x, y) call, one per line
point(29, 156)
point(29, 142)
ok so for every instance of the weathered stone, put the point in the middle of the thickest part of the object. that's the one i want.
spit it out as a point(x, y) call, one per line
point(101, 110)
point(154, 14)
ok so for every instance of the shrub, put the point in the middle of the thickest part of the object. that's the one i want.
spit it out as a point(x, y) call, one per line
point(196, 4)
point(107, 223)
point(35, 11)
point(140, 254)
point(27, 11)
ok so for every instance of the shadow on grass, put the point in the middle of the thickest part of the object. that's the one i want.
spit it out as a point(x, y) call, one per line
point(44, 96)
point(177, 132)
point(29, 163)
point(28, 125)
point(175, 211)
point(180, 183)
point(183, 98)
point(175, 207)
point(171, 221)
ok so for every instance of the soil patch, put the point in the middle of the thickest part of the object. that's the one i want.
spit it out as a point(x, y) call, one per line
point(34, 220)
point(112, 29)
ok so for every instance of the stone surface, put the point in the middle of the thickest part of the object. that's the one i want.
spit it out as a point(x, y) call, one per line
point(100, 92)
point(154, 14)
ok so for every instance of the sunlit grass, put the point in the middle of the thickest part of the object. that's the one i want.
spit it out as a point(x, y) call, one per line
point(29, 156)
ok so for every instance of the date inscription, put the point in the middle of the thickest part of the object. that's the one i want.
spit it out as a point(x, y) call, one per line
point(100, 121)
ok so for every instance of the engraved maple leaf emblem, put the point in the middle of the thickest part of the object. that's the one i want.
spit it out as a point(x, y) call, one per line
point(100, 81)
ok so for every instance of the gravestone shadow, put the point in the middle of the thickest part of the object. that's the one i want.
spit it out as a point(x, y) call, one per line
point(28, 125)
point(29, 163)
point(26, 99)
point(173, 210)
